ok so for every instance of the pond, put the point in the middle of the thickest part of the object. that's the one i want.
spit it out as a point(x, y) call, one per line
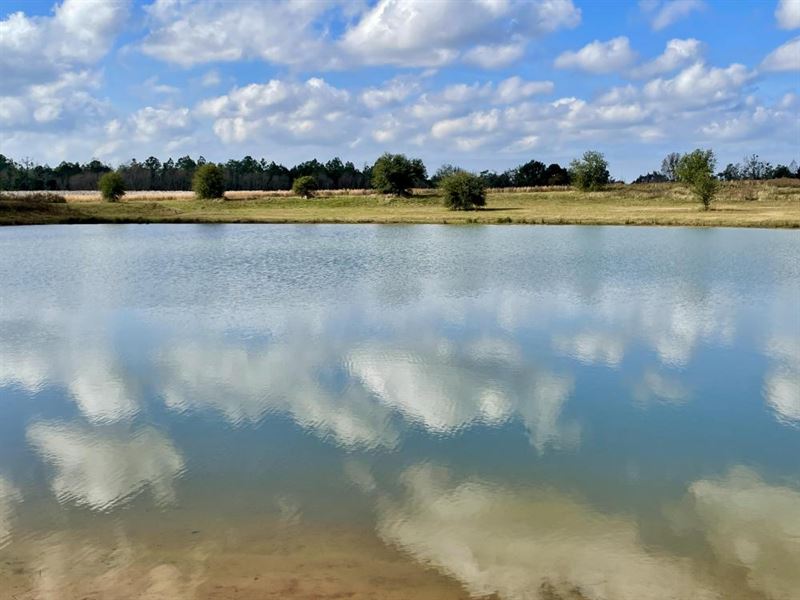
point(255, 411)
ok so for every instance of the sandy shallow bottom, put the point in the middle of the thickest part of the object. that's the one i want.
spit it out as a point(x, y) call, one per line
point(219, 561)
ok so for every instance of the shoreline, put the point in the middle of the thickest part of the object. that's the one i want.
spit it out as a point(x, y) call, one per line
point(762, 206)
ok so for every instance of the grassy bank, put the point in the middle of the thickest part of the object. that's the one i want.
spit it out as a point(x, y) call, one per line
point(765, 204)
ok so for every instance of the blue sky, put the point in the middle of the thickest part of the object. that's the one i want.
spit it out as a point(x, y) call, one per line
point(483, 84)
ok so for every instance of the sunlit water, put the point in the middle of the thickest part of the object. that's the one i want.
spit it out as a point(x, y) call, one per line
point(399, 412)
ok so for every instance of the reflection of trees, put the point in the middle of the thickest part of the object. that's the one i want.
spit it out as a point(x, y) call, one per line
point(100, 468)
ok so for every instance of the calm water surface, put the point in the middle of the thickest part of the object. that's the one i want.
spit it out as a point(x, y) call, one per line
point(204, 411)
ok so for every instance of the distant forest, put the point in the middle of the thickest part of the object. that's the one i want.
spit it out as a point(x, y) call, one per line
point(251, 174)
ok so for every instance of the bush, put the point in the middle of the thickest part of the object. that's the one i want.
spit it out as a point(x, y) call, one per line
point(696, 169)
point(111, 186)
point(209, 182)
point(304, 186)
point(396, 174)
point(463, 191)
point(589, 173)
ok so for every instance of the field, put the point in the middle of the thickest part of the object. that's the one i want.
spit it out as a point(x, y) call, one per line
point(741, 204)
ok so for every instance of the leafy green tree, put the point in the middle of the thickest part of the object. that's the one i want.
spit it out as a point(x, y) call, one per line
point(556, 175)
point(397, 174)
point(730, 173)
point(590, 173)
point(209, 181)
point(444, 171)
point(304, 186)
point(696, 169)
point(463, 190)
point(112, 186)
point(530, 174)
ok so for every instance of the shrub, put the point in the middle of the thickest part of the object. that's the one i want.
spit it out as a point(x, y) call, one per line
point(589, 173)
point(463, 191)
point(696, 169)
point(304, 186)
point(209, 182)
point(396, 174)
point(111, 186)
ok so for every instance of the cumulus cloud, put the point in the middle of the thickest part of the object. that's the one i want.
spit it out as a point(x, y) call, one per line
point(784, 58)
point(678, 53)
point(313, 111)
point(514, 89)
point(599, 57)
point(190, 33)
point(663, 13)
point(393, 92)
point(787, 13)
point(396, 32)
point(699, 85)
point(495, 56)
point(418, 33)
point(78, 34)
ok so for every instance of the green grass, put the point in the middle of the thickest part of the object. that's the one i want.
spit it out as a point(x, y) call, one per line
point(765, 204)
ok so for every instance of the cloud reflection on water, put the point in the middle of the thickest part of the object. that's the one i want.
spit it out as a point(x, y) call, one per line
point(101, 468)
point(511, 542)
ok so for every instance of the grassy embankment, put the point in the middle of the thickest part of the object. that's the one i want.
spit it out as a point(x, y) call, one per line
point(743, 204)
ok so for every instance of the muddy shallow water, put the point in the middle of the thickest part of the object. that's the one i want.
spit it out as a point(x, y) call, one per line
point(235, 411)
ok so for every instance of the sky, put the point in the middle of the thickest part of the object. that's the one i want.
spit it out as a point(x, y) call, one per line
point(484, 84)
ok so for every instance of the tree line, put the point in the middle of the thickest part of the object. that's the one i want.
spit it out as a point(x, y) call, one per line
point(247, 174)
point(751, 168)
point(251, 174)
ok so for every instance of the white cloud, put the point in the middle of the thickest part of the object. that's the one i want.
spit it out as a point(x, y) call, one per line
point(663, 13)
point(784, 58)
point(599, 57)
point(787, 13)
point(393, 92)
point(150, 122)
point(212, 78)
point(678, 53)
point(699, 85)
point(312, 111)
point(188, 33)
point(37, 49)
point(515, 88)
point(495, 56)
point(397, 32)
point(418, 33)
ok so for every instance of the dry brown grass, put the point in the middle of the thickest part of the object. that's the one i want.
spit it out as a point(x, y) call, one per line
point(740, 204)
